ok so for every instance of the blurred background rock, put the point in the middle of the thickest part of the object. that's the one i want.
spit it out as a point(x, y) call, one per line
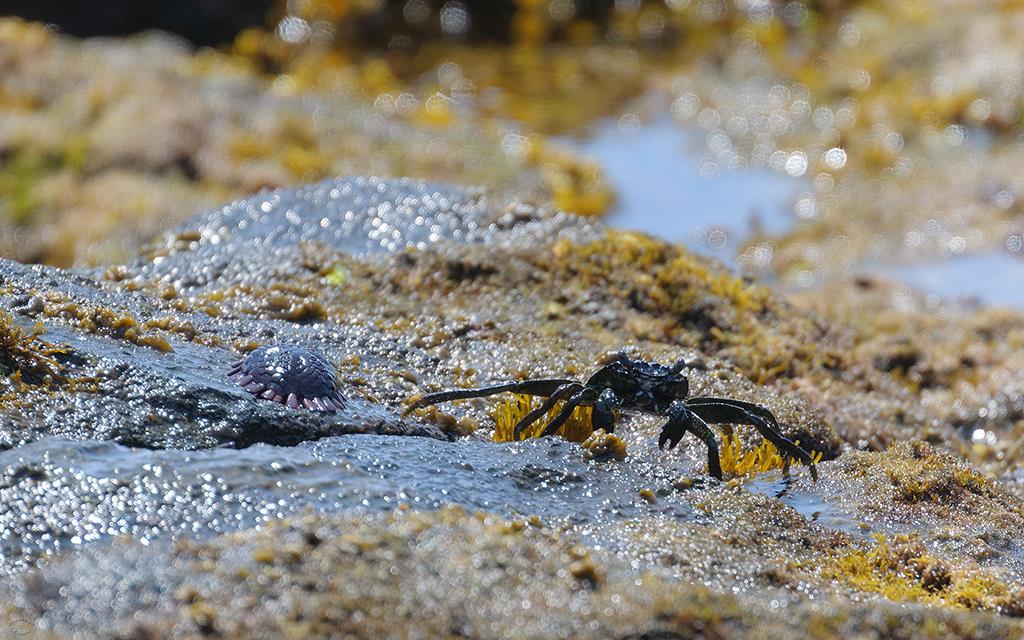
point(878, 134)
point(203, 22)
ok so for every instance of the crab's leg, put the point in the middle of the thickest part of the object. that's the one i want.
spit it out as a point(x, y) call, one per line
point(723, 411)
point(681, 420)
point(750, 407)
point(575, 400)
point(530, 387)
point(540, 411)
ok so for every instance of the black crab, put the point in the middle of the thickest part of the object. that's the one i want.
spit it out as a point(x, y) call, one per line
point(635, 385)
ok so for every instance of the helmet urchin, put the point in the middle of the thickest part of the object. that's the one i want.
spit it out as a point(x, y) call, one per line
point(290, 375)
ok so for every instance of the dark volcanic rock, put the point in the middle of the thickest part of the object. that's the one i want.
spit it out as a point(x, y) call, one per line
point(172, 394)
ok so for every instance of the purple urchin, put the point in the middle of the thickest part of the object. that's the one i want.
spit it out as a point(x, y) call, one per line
point(290, 375)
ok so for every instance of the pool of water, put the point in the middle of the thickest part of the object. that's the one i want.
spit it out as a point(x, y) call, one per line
point(815, 505)
point(981, 279)
point(659, 170)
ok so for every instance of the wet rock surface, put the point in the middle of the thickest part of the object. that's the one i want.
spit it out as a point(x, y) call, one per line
point(139, 462)
point(148, 371)
point(61, 494)
point(435, 574)
point(354, 216)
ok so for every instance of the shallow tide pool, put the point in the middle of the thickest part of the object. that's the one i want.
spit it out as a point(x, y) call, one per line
point(659, 169)
point(665, 188)
point(982, 279)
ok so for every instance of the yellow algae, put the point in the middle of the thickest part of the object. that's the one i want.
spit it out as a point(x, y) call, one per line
point(737, 461)
point(245, 146)
point(119, 324)
point(510, 411)
point(435, 111)
point(14, 30)
point(295, 302)
point(604, 446)
point(24, 356)
point(305, 163)
point(576, 185)
point(184, 328)
point(154, 342)
point(921, 473)
point(699, 304)
point(902, 571)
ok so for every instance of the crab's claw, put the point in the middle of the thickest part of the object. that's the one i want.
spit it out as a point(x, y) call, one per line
point(670, 436)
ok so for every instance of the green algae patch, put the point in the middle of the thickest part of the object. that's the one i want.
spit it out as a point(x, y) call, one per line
point(18, 181)
point(934, 476)
point(24, 174)
point(901, 570)
point(920, 473)
point(337, 276)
